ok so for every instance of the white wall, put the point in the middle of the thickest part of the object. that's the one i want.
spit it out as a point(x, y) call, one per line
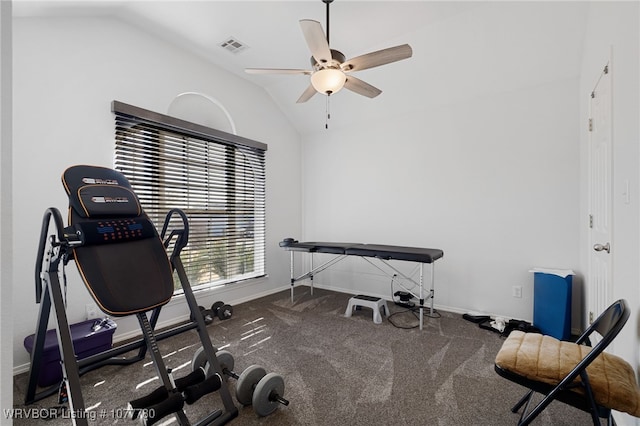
point(493, 182)
point(66, 73)
point(496, 179)
point(613, 33)
point(478, 157)
point(6, 225)
point(493, 174)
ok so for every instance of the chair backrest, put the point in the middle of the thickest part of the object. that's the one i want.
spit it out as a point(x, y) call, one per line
point(121, 258)
point(607, 325)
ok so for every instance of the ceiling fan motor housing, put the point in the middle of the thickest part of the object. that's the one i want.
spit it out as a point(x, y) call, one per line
point(337, 58)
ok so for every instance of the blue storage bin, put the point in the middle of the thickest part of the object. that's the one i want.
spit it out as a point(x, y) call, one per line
point(552, 301)
point(86, 342)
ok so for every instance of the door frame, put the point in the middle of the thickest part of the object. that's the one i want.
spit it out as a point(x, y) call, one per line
point(599, 298)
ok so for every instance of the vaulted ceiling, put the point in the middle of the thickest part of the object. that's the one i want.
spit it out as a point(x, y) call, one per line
point(460, 49)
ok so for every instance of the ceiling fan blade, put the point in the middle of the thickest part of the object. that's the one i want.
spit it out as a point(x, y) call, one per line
point(276, 71)
point(377, 58)
point(316, 40)
point(360, 87)
point(307, 94)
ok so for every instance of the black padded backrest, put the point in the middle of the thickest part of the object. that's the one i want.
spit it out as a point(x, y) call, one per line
point(122, 260)
point(99, 192)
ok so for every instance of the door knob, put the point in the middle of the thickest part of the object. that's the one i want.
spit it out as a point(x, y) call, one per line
point(600, 247)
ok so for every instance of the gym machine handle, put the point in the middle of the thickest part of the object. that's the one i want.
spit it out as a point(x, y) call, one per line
point(54, 213)
point(181, 234)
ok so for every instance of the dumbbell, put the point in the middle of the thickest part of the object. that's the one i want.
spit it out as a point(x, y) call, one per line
point(222, 310)
point(207, 315)
point(253, 387)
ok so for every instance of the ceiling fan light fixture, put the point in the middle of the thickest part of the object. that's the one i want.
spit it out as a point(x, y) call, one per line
point(328, 80)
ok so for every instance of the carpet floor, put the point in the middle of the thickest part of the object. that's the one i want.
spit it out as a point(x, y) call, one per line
point(337, 370)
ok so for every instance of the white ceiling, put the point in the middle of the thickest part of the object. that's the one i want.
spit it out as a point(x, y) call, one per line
point(460, 49)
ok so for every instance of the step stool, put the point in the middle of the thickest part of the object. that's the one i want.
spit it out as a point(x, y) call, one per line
point(375, 303)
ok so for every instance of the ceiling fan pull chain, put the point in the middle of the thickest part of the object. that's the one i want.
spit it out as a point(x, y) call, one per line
point(328, 111)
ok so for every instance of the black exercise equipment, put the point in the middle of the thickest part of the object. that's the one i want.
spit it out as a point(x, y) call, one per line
point(192, 387)
point(108, 357)
point(161, 402)
point(174, 401)
point(124, 265)
point(253, 387)
point(222, 310)
point(207, 315)
point(218, 309)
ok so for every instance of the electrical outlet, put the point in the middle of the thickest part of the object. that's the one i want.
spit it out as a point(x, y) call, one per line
point(91, 310)
point(516, 291)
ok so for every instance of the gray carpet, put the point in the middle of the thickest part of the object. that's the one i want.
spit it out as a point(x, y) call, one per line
point(337, 370)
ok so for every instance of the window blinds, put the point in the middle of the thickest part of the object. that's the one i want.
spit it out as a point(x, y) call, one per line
point(216, 178)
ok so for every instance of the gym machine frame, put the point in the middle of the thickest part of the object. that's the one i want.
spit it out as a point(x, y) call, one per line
point(49, 295)
point(109, 357)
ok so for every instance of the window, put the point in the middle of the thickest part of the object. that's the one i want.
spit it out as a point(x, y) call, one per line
point(216, 178)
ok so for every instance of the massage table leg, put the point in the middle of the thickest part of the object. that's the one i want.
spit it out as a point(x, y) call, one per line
point(421, 295)
point(293, 280)
point(311, 277)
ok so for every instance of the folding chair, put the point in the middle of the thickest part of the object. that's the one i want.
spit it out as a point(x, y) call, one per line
point(577, 374)
point(125, 267)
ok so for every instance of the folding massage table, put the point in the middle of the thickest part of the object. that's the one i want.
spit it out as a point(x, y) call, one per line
point(126, 268)
point(384, 253)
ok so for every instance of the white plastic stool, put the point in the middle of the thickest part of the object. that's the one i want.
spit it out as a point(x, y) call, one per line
point(375, 303)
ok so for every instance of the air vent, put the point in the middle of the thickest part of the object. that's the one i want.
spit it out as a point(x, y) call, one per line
point(233, 45)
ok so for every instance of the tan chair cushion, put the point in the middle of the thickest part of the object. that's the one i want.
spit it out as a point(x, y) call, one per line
point(549, 360)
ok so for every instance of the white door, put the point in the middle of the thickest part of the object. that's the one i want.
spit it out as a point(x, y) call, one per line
point(600, 203)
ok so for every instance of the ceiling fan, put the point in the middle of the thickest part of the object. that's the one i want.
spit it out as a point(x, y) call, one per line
point(331, 71)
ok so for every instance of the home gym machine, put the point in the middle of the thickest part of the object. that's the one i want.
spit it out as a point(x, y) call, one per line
point(124, 265)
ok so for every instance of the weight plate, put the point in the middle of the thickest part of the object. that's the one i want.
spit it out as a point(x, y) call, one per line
point(217, 305)
point(225, 312)
point(247, 382)
point(226, 361)
point(207, 315)
point(270, 386)
point(199, 359)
